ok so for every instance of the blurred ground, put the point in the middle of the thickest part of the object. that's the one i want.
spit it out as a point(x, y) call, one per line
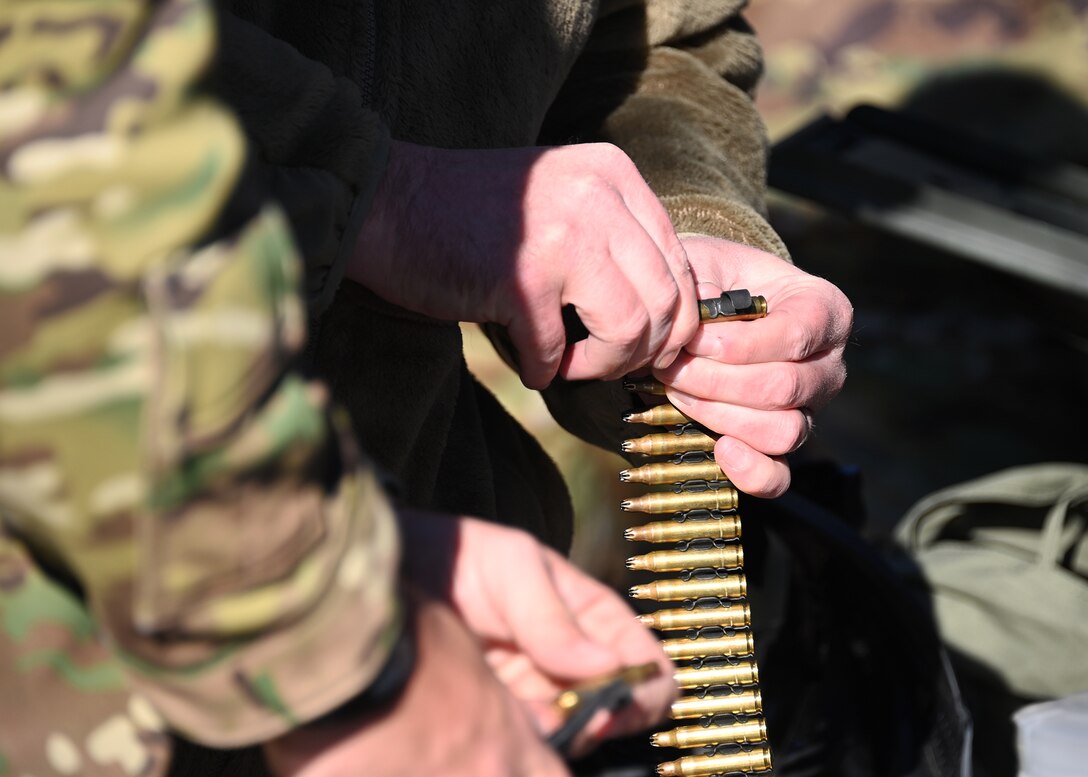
point(832, 56)
point(955, 370)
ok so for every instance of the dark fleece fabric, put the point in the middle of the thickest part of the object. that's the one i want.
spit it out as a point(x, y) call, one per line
point(321, 88)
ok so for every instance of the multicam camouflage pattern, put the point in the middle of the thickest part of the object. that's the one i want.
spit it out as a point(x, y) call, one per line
point(66, 708)
point(178, 552)
point(829, 57)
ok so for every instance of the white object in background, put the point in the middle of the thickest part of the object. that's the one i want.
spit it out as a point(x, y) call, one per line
point(1052, 738)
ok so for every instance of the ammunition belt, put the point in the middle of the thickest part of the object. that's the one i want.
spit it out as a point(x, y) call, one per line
point(714, 653)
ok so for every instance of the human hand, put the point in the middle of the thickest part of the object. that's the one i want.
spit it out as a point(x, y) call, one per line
point(544, 624)
point(758, 382)
point(454, 717)
point(511, 236)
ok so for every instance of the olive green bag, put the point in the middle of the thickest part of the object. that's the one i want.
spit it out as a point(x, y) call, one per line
point(1006, 558)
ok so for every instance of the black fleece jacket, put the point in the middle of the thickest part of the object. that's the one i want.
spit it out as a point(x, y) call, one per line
point(321, 87)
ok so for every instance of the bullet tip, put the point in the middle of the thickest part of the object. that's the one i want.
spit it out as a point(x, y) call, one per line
point(632, 563)
point(628, 534)
point(633, 592)
point(627, 446)
point(645, 620)
point(625, 505)
point(627, 417)
point(625, 476)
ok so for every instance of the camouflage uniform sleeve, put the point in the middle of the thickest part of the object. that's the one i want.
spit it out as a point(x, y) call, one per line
point(160, 457)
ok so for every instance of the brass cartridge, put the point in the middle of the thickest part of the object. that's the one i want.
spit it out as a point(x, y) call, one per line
point(645, 386)
point(756, 760)
point(733, 645)
point(730, 587)
point(656, 474)
point(704, 495)
point(736, 305)
point(741, 673)
point(658, 502)
point(747, 703)
point(569, 700)
point(729, 557)
point(666, 442)
point(743, 733)
point(735, 616)
point(658, 415)
point(724, 527)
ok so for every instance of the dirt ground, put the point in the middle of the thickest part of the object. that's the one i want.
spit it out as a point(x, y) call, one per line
point(952, 375)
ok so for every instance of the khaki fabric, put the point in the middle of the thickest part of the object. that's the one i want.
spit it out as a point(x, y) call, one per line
point(1006, 559)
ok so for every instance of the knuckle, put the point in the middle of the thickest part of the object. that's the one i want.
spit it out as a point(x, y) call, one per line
point(611, 153)
point(660, 223)
point(558, 235)
point(519, 543)
point(664, 304)
point(784, 387)
point(840, 309)
point(687, 326)
point(630, 327)
point(838, 378)
point(789, 432)
point(801, 342)
point(677, 256)
point(542, 340)
point(801, 427)
point(846, 312)
point(551, 339)
point(587, 191)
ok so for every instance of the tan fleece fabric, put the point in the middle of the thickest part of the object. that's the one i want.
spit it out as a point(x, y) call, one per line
point(682, 110)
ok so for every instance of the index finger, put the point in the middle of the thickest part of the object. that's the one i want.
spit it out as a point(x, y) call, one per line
point(612, 622)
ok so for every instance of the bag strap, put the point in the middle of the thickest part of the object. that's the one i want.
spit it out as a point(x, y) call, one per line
point(1054, 542)
point(1056, 485)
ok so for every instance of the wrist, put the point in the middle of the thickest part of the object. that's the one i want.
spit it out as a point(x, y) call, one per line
point(386, 229)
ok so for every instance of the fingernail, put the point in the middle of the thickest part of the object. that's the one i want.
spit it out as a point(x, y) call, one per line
point(731, 455)
point(680, 398)
point(666, 359)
